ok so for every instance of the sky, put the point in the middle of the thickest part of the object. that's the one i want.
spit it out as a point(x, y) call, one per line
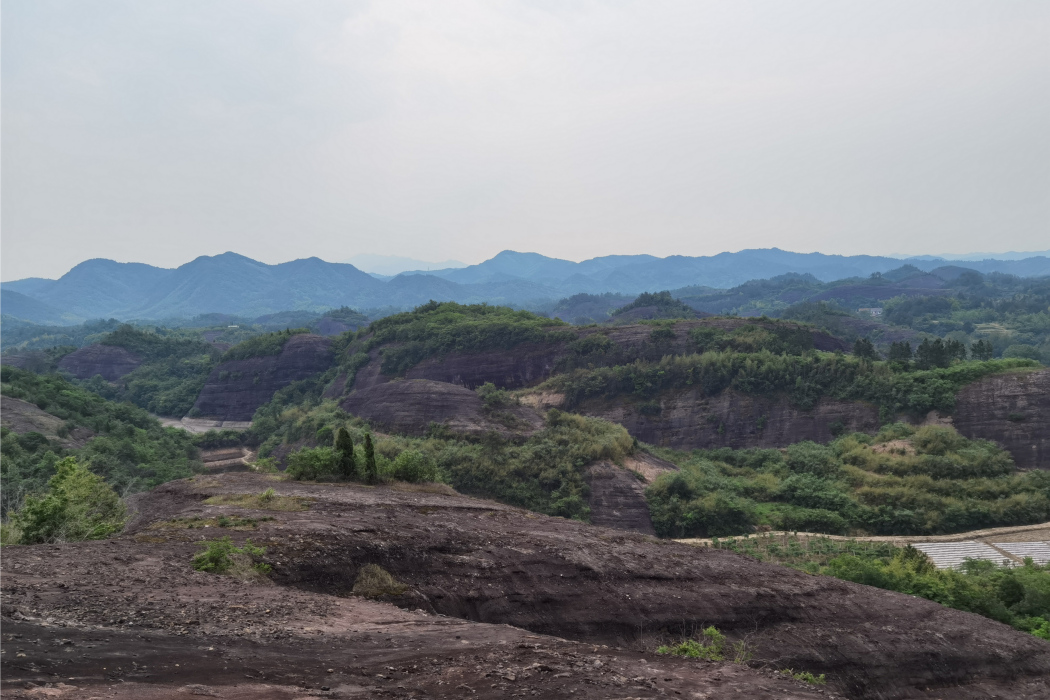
point(157, 132)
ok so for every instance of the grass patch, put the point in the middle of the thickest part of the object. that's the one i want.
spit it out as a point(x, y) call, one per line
point(805, 677)
point(373, 581)
point(712, 645)
point(266, 500)
point(223, 557)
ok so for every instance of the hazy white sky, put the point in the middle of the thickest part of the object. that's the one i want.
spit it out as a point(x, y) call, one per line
point(160, 131)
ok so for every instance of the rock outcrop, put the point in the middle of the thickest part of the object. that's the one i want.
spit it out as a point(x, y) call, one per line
point(690, 420)
point(1011, 409)
point(235, 389)
point(487, 562)
point(111, 362)
point(531, 363)
point(410, 406)
point(527, 364)
point(617, 499)
point(23, 417)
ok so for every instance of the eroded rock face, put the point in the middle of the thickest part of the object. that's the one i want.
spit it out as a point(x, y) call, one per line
point(617, 499)
point(690, 420)
point(23, 417)
point(530, 363)
point(1011, 409)
point(411, 405)
point(235, 389)
point(109, 361)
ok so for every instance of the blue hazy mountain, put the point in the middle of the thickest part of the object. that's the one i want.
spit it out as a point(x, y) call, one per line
point(237, 285)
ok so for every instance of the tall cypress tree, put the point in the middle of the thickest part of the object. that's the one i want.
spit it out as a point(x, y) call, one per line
point(346, 462)
point(371, 472)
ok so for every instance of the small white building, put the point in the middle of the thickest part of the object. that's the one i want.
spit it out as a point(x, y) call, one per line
point(874, 311)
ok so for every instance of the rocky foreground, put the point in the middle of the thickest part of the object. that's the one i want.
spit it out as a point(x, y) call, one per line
point(499, 602)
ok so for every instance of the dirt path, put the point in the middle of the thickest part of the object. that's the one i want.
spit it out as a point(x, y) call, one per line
point(1020, 533)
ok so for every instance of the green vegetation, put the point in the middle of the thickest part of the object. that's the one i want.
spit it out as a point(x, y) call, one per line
point(19, 335)
point(803, 378)
point(262, 345)
point(543, 473)
point(436, 329)
point(222, 557)
point(78, 505)
point(903, 481)
point(711, 646)
point(665, 306)
point(1018, 596)
point(173, 371)
point(805, 676)
point(373, 581)
point(777, 337)
point(130, 449)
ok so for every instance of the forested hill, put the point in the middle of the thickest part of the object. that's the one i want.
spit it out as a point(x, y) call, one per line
point(237, 285)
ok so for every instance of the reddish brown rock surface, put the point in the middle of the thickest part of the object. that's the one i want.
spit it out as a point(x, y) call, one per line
point(617, 499)
point(131, 611)
point(1011, 409)
point(531, 363)
point(109, 361)
point(689, 420)
point(411, 405)
point(235, 389)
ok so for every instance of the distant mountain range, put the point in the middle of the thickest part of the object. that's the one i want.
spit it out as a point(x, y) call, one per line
point(237, 285)
point(387, 266)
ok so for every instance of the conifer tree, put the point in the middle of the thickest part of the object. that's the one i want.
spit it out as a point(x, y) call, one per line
point(865, 350)
point(371, 472)
point(346, 462)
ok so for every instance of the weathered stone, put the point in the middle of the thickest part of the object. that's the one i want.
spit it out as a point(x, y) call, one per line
point(411, 405)
point(1011, 409)
point(690, 420)
point(109, 361)
point(530, 363)
point(234, 390)
point(617, 499)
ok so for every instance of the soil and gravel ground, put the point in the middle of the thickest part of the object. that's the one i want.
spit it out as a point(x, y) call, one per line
point(502, 603)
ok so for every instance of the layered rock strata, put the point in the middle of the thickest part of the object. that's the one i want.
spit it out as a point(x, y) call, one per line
point(234, 390)
point(108, 361)
point(1011, 409)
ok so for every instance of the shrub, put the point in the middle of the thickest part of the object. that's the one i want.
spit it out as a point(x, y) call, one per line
point(810, 458)
point(902, 482)
point(310, 464)
point(806, 677)
point(710, 647)
point(413, 466)
point(78, 505)
point(373, 581)
point(221, 557)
